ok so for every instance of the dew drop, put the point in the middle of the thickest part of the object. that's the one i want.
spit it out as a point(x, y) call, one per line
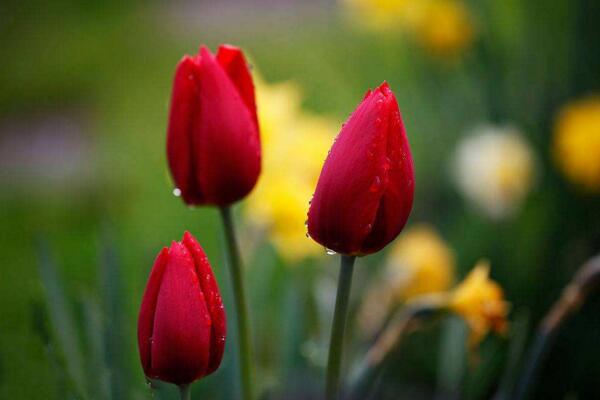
point(176, 192)
point(376, 185)
point(330, 252)
point(387, 164)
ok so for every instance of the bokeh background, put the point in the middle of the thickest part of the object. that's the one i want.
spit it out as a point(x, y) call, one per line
point(499, 99)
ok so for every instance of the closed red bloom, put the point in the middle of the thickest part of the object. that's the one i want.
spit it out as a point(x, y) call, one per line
point(181, 325)
point(365, 190)
point(213, 144)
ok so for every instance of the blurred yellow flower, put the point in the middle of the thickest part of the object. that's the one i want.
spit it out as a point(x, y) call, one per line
point(577, 142)
point(494, 168)
point(295, 144)
point(419, 263)
point(385, 15)
point(444, 27)
point(480, 302)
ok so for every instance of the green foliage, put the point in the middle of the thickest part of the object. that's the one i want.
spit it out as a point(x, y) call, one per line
point(68, 307)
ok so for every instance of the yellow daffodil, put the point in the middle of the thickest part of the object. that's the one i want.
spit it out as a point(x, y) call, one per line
point(480, 302)
point(294, 144)
point(495, 169)
point(419, 263)
point(444, 27)
point(577, 142)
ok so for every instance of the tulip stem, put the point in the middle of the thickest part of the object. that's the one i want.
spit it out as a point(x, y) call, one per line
point(585, 283)
point(185, 392)
point(336, 343)
point(239, 294)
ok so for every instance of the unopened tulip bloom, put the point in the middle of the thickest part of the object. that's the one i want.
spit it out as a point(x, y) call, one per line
point(365, 190)
point(213, 145)
point(181, 325)
point(362, 201)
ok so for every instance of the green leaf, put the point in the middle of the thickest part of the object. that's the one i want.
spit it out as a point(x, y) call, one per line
point(98, 372)
point(61, 320)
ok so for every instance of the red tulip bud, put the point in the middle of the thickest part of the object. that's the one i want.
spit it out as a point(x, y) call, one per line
point(365, 191)
point(181, 325)
point(213, 144)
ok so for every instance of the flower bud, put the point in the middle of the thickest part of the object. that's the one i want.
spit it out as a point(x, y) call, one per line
point(181, 325)
point(213, 144)
point(365, 191)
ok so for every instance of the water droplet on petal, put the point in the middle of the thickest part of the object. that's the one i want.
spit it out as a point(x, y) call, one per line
point(176, 192)
point(376, 185)
point(387, 163)
point(330, 252)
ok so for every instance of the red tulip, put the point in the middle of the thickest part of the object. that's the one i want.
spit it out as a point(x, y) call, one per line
point(181, 325)
point(213, 144)
point(365, 191)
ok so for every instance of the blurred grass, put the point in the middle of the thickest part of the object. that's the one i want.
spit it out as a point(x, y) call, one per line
point(116, 59)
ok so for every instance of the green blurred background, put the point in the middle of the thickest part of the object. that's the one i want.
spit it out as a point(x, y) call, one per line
point(84, 93)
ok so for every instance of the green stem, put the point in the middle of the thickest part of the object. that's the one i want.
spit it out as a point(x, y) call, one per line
point(239, 294)
point(585, 283)
point(185, 392)
point(339, 325)
point(542, 344)
point(369, 373)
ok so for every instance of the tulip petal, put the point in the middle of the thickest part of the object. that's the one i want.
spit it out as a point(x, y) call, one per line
point(184, 114)
point(364, 193)
point(397, 199)
point(147, 310)
point(226, 144)
point(213, 300)
point(182, 326)
point(353, 171)
point(234, 64)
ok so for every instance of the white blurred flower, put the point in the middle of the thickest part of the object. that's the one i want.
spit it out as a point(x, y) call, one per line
point(494, 169)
